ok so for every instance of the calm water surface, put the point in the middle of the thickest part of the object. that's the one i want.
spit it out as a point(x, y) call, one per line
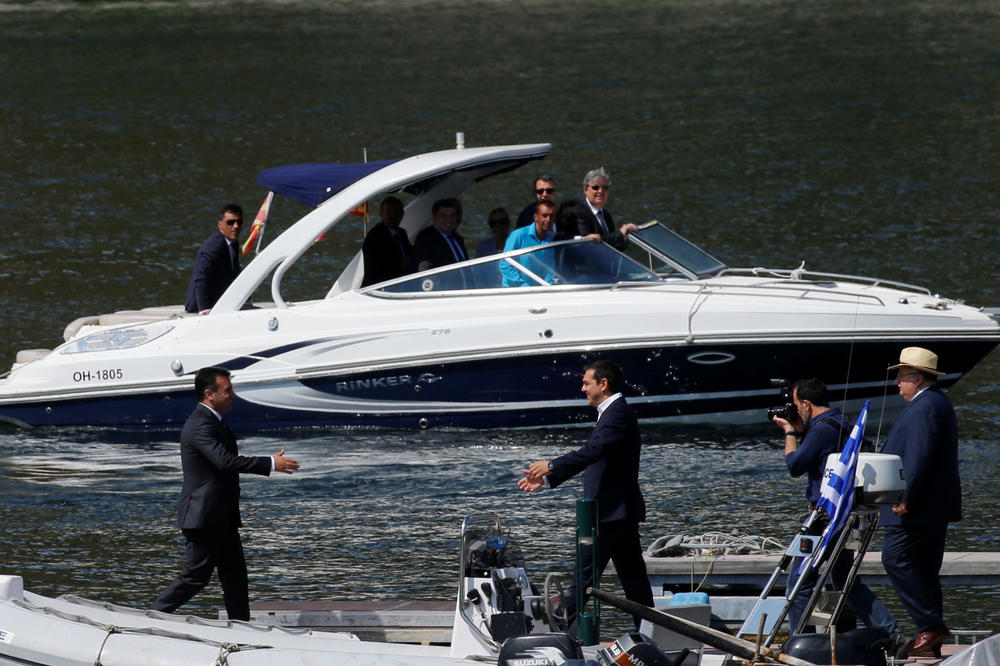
point(858, 137)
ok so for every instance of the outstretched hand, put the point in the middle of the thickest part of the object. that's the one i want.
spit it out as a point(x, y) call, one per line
point(528, 484)
point(284, 464)
point(534, 475)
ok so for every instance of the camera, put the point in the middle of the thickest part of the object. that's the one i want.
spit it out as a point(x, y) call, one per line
point(787, 411)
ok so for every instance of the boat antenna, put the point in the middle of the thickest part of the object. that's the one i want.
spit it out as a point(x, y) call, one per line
point(850, 356)
point(364, 159)
point(881, 416)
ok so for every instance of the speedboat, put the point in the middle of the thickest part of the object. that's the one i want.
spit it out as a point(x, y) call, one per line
point(500, 618)
point(498, 341)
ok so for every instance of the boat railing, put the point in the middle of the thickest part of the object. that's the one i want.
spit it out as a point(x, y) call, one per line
point(800, 274)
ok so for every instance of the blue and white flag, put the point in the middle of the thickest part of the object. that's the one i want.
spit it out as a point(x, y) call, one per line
point(837, 496)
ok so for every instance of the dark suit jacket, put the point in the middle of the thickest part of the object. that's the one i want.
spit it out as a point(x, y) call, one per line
point(925, 436)
point(383, 260)
point(586, 223)
point(610, 461)
point(432, 249)
point(212, 466)
point(213, 273)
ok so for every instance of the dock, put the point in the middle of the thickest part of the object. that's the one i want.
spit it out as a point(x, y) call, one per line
point(752, 571)
point(723, 576)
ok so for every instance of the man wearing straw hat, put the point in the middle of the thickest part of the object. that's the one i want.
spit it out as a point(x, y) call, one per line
point(925, 436)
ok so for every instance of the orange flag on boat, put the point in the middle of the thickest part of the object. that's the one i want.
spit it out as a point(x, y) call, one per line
point(258, 224)
point(360, 210)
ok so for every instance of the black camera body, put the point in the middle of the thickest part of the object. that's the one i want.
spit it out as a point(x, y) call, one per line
point(787, 411)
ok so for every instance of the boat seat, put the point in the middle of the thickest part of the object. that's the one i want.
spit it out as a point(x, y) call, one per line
point(29, 355)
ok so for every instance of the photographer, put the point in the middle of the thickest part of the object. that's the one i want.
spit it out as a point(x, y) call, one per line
point(811, 434)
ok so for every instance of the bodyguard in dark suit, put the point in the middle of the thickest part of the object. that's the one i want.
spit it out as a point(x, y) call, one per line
point(209, 511)
point(439, 244)
point(387, 250)
point(610, 465)
point(925, 436)
point(217, 263)
point(589, 216)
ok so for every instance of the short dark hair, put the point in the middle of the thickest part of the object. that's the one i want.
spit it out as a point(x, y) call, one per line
point(501, 214)
point(813, 390)
point(448, 203)
point(208, 378)
point(545, 177)
point(605, 369)
point(235, 209)
point(392, 201)
point(546, 202)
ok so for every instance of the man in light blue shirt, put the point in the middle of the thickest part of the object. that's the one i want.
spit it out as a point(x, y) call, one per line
point(539, 233)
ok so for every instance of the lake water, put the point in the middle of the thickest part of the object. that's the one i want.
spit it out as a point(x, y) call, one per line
point(857, 137)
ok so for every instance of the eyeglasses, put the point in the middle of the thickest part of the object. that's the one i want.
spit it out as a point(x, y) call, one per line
point(233, 220)
point(598, 188)
point(545, 190)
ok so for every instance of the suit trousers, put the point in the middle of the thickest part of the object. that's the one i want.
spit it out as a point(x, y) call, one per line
point(618, 542)
point(206, 551)
point(912, 556)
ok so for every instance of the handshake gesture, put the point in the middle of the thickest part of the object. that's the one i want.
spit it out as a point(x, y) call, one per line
point(534, 476)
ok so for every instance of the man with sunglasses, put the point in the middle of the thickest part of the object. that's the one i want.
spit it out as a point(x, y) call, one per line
point(544, 190)
point(217, 263)
point(925, 437)
point(590, 216)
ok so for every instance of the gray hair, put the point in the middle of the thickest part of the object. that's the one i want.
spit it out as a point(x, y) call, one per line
point(600, 173)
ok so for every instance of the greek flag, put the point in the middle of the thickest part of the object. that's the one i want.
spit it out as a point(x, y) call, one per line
point(837, 496)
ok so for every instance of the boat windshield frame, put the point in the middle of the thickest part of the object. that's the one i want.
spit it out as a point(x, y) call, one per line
point(525, 268)
point(676, 251)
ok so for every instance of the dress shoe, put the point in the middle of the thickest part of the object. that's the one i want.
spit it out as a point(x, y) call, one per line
point(928, 643)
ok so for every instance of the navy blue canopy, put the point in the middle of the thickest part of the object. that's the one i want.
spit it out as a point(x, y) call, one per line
point(312, 184)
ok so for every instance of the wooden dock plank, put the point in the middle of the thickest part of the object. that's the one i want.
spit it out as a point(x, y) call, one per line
point(958, 568)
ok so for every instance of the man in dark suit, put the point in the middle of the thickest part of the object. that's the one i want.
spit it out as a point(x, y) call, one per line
point(544, 189)
point(217, 263)
point(439, 244)
point(209, 511)
point(589, 215)
point(387, 250)
point(610, 465)
point(925, 436)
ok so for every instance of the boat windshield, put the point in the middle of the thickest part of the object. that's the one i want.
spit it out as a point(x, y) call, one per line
point(574, 262)
point(669, 252)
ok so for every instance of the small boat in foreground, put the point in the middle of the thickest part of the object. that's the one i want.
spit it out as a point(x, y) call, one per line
point(699, 342)
point(500, 618)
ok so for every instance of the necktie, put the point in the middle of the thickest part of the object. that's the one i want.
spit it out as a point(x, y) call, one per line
point(604, 225)
point(399, 243)
point(233, 258)
point(456, 249)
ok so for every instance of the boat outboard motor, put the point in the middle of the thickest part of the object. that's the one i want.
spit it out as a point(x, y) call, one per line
point(878, 478)
point(560, 649)
point(860, 646)
point(636, 648)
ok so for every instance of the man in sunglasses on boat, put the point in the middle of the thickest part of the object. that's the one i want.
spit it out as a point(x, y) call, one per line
point(590, 216)
point(543, 190)
point(610, 465)
point(217, 263)
point(925, 437)
point(812, 434)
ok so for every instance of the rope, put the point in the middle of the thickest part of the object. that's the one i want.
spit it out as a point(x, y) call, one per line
point(224, 648)
point(111, 629)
